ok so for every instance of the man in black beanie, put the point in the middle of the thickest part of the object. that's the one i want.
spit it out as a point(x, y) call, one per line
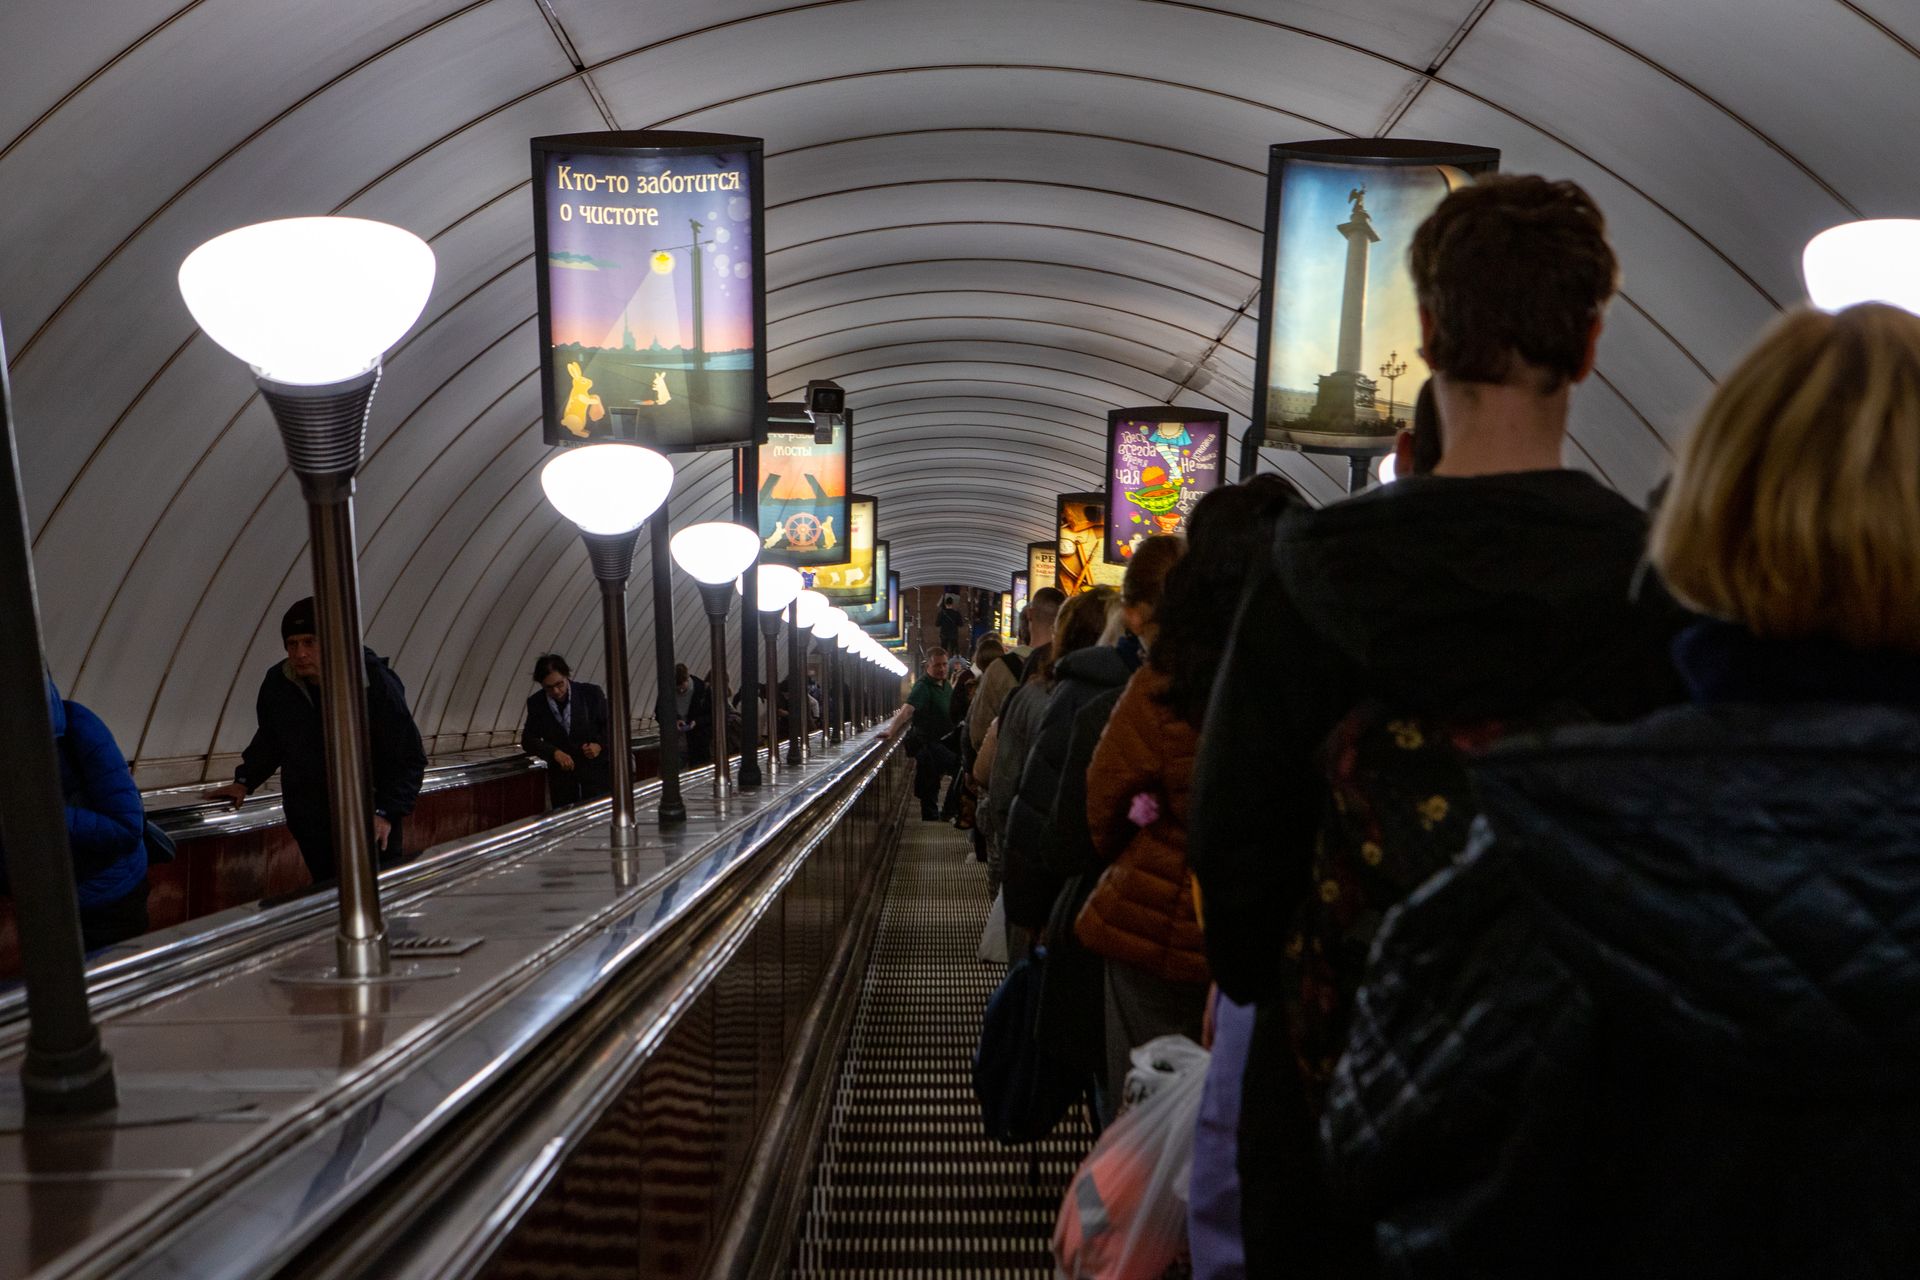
point(290, 740)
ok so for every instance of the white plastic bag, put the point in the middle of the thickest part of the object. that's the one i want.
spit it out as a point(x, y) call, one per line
point(1125, 1215)
point(993, 938)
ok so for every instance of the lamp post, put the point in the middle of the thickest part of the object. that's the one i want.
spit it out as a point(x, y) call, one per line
point(311, 304)
point(609, 491)
point(778, 586)
point(826, 630)
point(1391, 371)
point(714, 554)
point(65, 1070)
point(802, 616)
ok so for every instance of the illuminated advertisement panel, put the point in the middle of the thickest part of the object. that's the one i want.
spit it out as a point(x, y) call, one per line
point(1042, 566)
point(1160, 462)
point(652, 298)
point(805, 500)
point(879, 611)
point(1019, 596)
point(1339, 324)
point(1082, 521)
point(853, 581)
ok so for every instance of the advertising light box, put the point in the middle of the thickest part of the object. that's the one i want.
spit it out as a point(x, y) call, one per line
point(1019, 595)
point(806, 511)
point(1160, 462)
point(651, 287)
point(1082, 562)
point(853, 581)
point(1042, 566)
point(879, 610)
point(1337, 363)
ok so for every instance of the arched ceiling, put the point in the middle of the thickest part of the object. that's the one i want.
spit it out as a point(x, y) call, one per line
point(991, 220)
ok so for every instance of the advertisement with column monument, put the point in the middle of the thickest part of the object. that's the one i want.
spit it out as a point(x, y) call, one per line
point(1339, 324)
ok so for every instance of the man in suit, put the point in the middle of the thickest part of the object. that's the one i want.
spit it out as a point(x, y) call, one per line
point(567, 727)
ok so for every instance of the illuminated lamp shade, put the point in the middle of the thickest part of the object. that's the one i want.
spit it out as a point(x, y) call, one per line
point(1876, 260)
point(827, 625)
point(607, 489)
point(1388, 472)
point(715, 552)
point(811, 604)
point(308, 301)
point(778, 586)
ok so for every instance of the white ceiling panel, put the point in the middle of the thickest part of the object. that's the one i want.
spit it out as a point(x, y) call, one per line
point(991, 221)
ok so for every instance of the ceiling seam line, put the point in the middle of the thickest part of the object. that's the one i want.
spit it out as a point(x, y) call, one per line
point(1034, 226)
point(1879, 26)
point(113, 254)
point(1005, 320)
point(1399, 112)
point(1662, 69)
point(572, 52)
point(1217, 344)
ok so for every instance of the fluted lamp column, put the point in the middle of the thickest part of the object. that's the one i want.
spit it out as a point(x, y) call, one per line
point(312, 304)
point(778, 586)
point(714, 554)
point(609, 491)
point(802, 618)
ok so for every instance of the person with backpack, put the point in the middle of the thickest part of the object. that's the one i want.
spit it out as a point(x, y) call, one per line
point(1663, 1017)
point(1443, 611)
point(290, 740)
point(106, 826)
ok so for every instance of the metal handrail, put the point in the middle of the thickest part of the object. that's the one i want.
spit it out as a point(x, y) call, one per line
point(206, 1228)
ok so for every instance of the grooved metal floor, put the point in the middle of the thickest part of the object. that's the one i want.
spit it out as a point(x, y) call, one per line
point(907, 1184)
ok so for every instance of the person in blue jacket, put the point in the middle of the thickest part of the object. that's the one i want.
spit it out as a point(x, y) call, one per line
point(106, 826)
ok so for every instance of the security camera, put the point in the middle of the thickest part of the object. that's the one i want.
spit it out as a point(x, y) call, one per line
point(827, 408)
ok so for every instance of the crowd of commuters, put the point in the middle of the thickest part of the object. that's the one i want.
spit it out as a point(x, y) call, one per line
point(1544, 876)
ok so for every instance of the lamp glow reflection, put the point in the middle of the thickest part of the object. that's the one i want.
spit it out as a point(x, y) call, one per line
point(312, 304)
point(1873, 260)
point(609, 491)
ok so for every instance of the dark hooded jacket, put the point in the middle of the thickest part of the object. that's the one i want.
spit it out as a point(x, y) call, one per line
point(1664, 1019)
point(289, 740)
point(1434, 596)
point(1078, 679)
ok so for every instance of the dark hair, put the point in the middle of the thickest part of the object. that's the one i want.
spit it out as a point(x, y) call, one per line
point(1513, 269)
point(548, 663)
point(1427, 441)
point(679, 669)
point(1146, 576)
point(1230, 530)
point(1081, 623)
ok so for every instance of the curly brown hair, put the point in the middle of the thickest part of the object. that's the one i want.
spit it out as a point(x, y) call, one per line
point(1513, 268)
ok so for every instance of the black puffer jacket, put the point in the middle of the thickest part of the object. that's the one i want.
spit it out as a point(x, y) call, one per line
point(1079, 678)
point(1664, 1020)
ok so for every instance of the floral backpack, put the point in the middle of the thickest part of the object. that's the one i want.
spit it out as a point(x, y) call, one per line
point(1401, 804)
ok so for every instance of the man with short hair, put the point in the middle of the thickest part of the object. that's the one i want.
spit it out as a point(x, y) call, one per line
point(1496, 589)
point(1003, 677)
point(567, 726)
point(693, 715)
point(290, 739)
point(927, 716)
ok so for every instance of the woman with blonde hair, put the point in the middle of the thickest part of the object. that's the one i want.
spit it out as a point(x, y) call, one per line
point(1663, 1019)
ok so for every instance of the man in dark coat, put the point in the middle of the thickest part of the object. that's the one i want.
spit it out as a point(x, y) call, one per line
point(290, 739)
point(567, 727)
point(1499, 587)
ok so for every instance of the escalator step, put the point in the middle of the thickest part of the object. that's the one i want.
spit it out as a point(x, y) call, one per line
point(908, 1184)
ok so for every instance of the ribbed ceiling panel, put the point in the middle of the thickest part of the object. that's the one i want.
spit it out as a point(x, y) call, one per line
point(991, 221)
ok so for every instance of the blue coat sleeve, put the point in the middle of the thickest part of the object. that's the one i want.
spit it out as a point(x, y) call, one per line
point(105, 819)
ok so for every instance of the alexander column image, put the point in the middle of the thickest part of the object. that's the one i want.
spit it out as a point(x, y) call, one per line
point(1347, 387)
